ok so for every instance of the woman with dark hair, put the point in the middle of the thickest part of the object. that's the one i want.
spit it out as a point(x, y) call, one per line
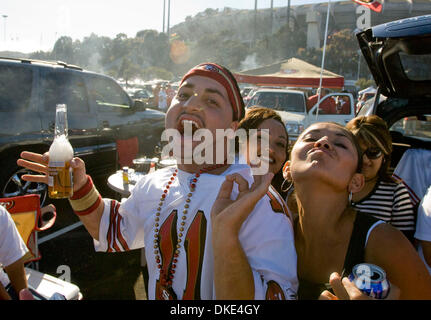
point(331, 237)
point(382, 197)
point(265, 118)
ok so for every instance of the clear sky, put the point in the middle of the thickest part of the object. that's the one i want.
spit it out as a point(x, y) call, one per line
point(33, 25)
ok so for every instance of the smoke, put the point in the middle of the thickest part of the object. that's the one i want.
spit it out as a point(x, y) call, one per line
point(93, 62)
point(249, 62)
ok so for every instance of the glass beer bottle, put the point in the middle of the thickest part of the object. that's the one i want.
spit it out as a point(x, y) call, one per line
point(60, 180)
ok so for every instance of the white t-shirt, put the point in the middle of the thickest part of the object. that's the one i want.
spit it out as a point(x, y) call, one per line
point(423, 224)
point(414, 169)
point(12, 247)
point(266, 236)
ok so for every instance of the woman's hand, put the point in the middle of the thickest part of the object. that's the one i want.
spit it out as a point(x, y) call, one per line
point(344, 289)
point(233, 277)
point(228, 215)
point(39, 163)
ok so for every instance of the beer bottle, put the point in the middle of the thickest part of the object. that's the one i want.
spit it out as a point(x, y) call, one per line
point(60, 181)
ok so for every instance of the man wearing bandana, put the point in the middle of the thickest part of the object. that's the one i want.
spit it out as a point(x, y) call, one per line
point(169, 210)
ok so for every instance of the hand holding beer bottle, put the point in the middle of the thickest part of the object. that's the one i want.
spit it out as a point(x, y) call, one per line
point(61, 153)
point(61, 172)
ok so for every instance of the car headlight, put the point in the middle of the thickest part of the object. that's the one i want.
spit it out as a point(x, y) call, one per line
point(294, 128)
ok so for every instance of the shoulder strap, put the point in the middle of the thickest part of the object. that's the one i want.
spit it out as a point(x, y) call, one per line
point(356, 251)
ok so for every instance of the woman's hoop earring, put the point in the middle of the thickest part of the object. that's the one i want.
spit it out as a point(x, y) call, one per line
point(285, 189)
point(350, 197)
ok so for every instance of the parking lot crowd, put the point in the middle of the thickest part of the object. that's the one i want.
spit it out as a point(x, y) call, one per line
point(328, 203)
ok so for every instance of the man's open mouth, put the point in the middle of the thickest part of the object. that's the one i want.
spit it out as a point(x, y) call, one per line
point(188, 125)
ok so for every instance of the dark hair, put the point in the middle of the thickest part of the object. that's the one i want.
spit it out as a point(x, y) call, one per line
point(373, 131)
point(256, 115)
point(253, 119)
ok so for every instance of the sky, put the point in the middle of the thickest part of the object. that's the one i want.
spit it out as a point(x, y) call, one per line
point(33, 25)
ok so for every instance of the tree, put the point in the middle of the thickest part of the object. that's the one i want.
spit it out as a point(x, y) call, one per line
point(341, 52)
point(63, 50)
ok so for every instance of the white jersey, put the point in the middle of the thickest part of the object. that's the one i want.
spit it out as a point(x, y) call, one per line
point(414, 169)
point(12, 247)
point(266, 236)
point(423, 224)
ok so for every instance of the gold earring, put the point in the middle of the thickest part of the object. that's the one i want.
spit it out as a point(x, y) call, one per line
point(289, 186)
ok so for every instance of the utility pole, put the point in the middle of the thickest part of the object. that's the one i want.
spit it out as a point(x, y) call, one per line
point(164, 15)
point(169, 14)
point(288, 15)
point(272, 16)
point(255, 22)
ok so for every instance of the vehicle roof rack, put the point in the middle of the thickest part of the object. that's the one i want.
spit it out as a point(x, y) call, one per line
point(57, 63)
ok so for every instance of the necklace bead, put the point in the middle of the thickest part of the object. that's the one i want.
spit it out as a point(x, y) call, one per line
point(166, 278)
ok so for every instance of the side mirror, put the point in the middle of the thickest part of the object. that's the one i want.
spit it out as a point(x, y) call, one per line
point(139, 105)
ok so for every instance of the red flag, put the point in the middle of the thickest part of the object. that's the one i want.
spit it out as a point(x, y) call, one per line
point(372, 4)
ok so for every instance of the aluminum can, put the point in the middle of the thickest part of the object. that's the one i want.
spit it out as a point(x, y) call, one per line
point(371, 280)
point(125, 174)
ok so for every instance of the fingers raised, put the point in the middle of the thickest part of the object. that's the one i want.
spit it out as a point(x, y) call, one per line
point(35, 157)
point(225, 189)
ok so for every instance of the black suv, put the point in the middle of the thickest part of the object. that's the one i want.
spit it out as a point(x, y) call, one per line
point(99, 113)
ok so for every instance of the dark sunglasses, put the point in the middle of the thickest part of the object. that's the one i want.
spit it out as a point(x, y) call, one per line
point(373, 153)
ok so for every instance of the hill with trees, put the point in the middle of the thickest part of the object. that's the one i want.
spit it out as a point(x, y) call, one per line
point(237, 39)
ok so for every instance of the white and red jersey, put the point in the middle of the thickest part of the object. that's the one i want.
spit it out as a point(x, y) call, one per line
point(266, 235)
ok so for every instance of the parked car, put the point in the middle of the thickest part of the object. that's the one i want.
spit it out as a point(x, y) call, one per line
point(292, 107)
point(398, 55)
point(363, 96)
point(99, 113)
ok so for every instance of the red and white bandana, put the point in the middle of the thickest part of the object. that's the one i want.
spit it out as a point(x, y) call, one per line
point(225, 78)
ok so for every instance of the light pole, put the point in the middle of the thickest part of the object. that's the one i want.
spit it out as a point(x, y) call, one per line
point(288, 15)
point(4, 23)
point(169, 16)
point(164, 14)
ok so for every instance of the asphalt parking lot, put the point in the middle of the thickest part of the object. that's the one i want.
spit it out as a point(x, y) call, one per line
point(100, 276)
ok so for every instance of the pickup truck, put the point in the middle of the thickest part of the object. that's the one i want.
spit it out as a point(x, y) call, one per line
point(292, 107)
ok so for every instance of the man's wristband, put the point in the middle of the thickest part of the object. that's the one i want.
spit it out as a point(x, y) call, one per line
point(85, 200)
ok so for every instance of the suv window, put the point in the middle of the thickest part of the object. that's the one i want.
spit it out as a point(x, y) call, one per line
point(15, 88)
point(282, 101)
point(107, 94)
point(65, 88)
point(418, 127)
point(416, 67)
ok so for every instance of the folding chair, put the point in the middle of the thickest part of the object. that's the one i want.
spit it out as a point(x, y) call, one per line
point(30, 219)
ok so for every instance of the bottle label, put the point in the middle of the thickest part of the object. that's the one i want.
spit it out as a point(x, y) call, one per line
point(50, 181)
point(57, 164)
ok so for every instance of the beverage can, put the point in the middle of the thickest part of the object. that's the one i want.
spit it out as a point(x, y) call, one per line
point(125, 174)
point(371, 280)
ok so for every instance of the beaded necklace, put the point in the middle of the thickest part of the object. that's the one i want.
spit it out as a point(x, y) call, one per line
point(165, 290)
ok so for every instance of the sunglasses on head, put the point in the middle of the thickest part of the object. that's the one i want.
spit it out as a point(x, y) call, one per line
point(373, 153)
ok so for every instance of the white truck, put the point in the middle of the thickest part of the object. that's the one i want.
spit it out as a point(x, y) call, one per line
point(292, 107)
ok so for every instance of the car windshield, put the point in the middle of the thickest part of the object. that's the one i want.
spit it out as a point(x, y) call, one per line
point(293, 102)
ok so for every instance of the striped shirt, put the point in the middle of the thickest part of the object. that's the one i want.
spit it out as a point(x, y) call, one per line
point(390, 202)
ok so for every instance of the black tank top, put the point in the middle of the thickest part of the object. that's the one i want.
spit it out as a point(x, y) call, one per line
point(355, 254)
